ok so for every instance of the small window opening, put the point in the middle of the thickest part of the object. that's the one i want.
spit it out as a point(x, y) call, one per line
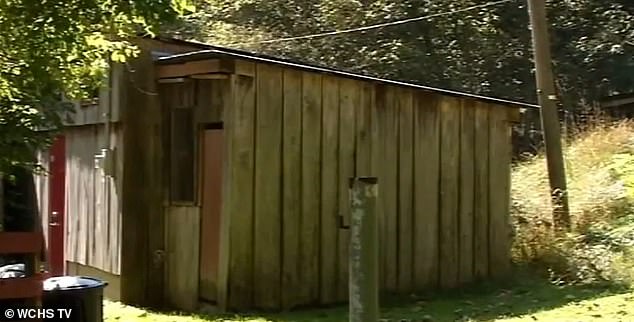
point(183, 148)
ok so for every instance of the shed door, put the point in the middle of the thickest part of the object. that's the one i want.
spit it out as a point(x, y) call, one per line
point(57, 192)
point(212, 148)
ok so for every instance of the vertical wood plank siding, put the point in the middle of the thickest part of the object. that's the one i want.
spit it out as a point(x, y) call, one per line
point(137, 101)
point(267, 198)
point(349, 95)
point(97, 234)
point(500, 150)
point(291, 180)
point(182, 267)
point(239, 201)
point(329, 190)
point(92, 225)
point(388, 185)
point(310, 188)
point(426, 172)
point(481, 202)
point(293, 140)
point(188, 275)
point(449, 191)
point(467, 192)
point(143, 238)
point(377, 117)
point(405, 190)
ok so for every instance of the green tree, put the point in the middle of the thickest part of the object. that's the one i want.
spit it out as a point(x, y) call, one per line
point(50, 49)
point(486, 51)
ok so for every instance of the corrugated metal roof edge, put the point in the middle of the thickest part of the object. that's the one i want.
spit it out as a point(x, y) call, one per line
point(214, 51)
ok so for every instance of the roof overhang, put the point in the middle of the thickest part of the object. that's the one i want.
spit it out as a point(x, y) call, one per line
point(217, 60)
point(618, 100)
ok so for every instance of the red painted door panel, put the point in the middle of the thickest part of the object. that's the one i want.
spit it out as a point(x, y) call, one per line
point(210, 214)
point(57, 192)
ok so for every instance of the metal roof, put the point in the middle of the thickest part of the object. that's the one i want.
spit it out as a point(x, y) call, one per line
point(210, 52)
point(618, 100)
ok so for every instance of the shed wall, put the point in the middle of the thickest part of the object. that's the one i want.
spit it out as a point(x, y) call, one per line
point(92, 216)
point(295, 137)
point(143, 267)
point(93, 204)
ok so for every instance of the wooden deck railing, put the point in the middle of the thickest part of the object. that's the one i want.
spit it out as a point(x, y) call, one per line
point(30, 287)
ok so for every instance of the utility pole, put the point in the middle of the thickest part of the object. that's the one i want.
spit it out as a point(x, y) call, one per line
point(547, 99)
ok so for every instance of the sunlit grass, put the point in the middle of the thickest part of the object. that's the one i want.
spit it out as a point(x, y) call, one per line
point(609, 308)
point(527, 300)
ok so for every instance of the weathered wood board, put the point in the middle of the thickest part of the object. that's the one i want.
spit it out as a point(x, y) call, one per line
point(310, 187)
point(329, 190)
point(449, 191)
point(292, 178)
point(349, 98)
point(182, 244)
point(390, 189)
point(426, 190)
point(467, 192)
point(405, 190)
point(481, 202)
point(239, 199)
point(499, 192)
point(267, 223)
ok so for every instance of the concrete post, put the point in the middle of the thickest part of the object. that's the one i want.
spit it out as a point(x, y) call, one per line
point(364, 250)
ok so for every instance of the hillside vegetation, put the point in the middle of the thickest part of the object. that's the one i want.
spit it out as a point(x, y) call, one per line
point(600, 170)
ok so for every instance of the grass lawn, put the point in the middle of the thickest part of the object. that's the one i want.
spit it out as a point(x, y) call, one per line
point(532, 300)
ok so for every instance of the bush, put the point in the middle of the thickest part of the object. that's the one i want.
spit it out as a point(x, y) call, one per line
point(600, 173)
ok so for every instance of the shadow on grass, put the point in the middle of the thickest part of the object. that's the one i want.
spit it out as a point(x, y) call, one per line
point(486, 302)
point(482, 302)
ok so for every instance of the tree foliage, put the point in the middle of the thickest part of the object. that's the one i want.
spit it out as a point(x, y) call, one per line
point(487, 50)
point(51, 47)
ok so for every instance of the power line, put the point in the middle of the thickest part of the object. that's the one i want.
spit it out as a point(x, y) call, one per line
point(370, 27)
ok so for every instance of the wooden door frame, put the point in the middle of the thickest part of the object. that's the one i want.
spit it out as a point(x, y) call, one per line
point(202, 129)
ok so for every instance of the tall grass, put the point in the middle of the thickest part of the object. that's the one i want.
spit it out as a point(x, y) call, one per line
point(599, 200)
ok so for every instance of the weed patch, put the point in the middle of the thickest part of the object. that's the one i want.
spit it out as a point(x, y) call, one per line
point(600, 170)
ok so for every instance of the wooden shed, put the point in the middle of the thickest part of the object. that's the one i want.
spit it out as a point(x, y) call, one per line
point(80, 201)
point(231, 182)
point(620, 106)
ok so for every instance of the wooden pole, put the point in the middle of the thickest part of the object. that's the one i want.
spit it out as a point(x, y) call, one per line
point(364, 250)
point(547, 99)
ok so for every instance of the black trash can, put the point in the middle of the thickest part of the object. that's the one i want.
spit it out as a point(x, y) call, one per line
point(80, 296)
